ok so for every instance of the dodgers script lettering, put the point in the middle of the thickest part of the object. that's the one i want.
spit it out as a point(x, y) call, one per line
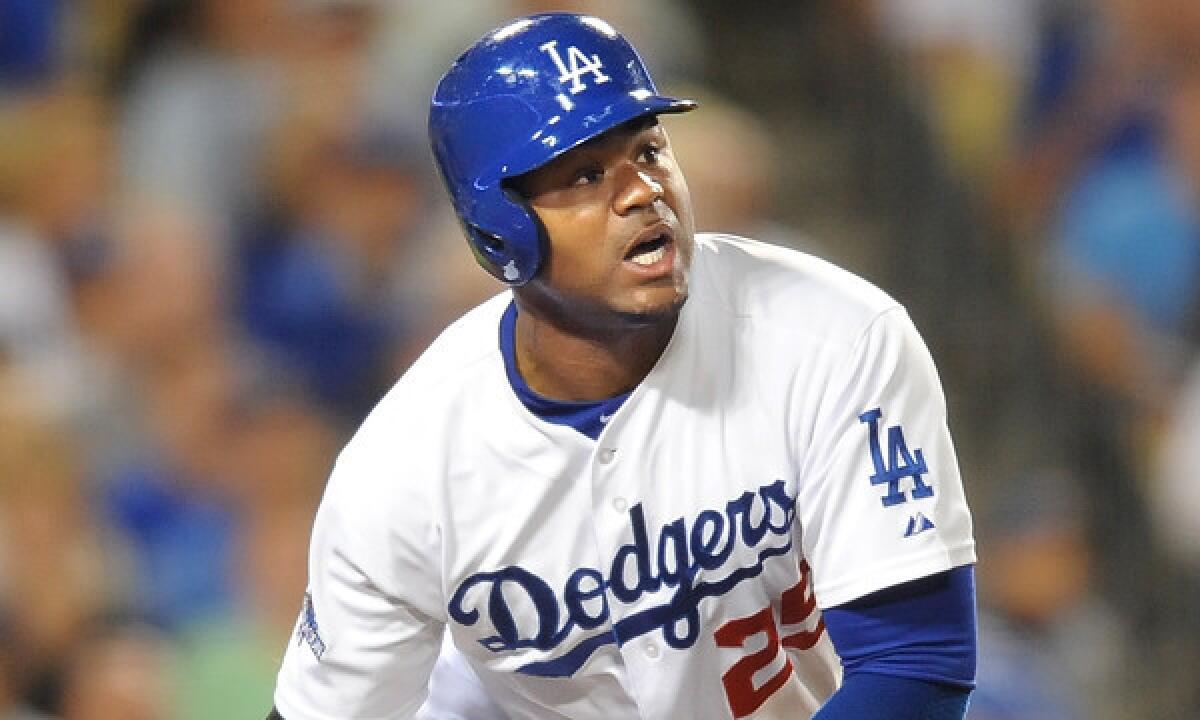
point(673, 559)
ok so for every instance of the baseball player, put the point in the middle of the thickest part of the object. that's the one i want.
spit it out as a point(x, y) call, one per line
point(666, 474)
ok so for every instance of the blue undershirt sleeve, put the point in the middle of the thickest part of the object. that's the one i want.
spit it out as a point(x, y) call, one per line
point(867, 696)
point(908, 652)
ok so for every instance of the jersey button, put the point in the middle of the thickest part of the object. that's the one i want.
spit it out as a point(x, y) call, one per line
point(607, 455)
point(652, 651)
point(620, 505)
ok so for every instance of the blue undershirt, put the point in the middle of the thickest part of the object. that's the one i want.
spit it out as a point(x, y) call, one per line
point(908, 652)
point(588, 417)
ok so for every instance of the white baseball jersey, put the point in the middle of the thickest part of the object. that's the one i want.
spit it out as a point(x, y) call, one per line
point(788, 452)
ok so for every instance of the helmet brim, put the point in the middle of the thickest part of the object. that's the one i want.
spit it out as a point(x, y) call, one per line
point(550, 142)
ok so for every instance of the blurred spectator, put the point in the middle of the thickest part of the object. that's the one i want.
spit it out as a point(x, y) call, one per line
point(1175, 494)
point(50, 212)
point(59, 567)
point(972, 60)
point(327, 65)
point(159, 307)
point(13, 678)
point(201, 102)
point(172, 500)
point(216, 499)
point(1049, 647)
point(283, 452)
point(162, 286)
point(120, 670)
point(1125, 258)
point(28, 41)
point(317, 275)
point(1174, 498)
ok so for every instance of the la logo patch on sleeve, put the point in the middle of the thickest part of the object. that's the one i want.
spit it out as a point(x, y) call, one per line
point(900, 463)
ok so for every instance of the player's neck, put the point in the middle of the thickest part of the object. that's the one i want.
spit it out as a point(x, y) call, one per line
point(578, 364)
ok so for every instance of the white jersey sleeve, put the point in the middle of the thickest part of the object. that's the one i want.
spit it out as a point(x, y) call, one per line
point(881, 502)
point(455, 691)
point(369, 632)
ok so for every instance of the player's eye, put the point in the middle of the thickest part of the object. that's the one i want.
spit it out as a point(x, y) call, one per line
point(587, 175)
point(650, 154)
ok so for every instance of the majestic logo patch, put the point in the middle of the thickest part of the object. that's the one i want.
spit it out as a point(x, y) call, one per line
point(901, 463)
point(307, 631)
point(575, 67)
point(673, 559)
point(918, 524)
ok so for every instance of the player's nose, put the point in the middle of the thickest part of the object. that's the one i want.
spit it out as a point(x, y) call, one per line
point(636, 189)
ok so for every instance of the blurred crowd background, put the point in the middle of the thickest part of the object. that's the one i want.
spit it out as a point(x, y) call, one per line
point(222, 238)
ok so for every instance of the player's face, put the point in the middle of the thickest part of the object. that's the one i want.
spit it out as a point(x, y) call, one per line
point(619, 219)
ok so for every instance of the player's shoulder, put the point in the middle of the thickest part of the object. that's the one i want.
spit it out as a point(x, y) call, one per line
point(385, 495)
point(429, 398)
point(458, 351)
point(790, 290)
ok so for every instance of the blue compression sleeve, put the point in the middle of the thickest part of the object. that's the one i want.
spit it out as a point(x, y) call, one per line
point(867, 696)
point(914, 643)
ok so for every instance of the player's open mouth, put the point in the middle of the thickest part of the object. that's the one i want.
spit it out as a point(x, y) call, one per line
point(648, 253)
point(653, 248)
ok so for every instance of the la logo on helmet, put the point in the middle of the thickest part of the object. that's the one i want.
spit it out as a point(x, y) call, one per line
point(576, 67)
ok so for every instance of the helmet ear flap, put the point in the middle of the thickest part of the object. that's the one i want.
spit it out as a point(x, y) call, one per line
point(537, 237)
point(492, 244)
point(490, 252)
point(515, 257)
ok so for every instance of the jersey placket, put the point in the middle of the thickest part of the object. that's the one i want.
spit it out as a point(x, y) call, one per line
point(616, 502)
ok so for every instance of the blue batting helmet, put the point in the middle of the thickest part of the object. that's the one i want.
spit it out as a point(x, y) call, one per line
point(521, 96)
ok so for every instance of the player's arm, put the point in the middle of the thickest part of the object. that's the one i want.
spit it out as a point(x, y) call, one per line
point(455, 692)
point(368, 632)
point(908, 652)
point(887, 532)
